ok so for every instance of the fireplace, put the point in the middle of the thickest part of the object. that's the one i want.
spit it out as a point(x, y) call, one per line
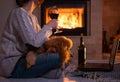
point(73, 16)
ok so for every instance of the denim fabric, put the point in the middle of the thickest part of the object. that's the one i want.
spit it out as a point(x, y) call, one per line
point(44, 64)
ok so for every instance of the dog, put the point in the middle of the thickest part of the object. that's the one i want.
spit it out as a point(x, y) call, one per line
point(59, 44)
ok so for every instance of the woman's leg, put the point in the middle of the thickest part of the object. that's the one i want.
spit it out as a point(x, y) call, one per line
point(44, 63)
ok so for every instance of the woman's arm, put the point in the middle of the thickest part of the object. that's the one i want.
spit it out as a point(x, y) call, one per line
point(26, 31)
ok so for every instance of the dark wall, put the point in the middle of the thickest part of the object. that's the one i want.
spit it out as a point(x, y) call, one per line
point(111, 17)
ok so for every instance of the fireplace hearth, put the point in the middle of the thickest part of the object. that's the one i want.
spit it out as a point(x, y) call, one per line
point(73, 16)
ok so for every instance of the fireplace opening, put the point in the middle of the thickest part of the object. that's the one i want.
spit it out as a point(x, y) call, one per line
point(73, 16)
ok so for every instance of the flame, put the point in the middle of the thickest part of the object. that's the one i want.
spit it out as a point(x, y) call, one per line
point(70, 18)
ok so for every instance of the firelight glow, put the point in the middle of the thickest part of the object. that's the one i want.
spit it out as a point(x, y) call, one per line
point(68, 80)
point(69, 18)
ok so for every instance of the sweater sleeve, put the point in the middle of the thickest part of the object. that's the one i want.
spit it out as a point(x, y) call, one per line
point(27, 32)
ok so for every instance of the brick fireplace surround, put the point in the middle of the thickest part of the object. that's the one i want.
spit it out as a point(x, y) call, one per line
point(93, 40)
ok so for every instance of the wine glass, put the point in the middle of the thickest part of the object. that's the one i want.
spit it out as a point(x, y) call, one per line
point(53, 13)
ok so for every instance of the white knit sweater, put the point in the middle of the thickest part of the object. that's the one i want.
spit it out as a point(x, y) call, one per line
point(21, 28)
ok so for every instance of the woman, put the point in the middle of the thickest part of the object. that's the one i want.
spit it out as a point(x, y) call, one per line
point(22, 28)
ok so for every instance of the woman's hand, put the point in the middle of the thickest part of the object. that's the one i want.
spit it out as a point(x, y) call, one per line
point(53, 23)
point(30, 59)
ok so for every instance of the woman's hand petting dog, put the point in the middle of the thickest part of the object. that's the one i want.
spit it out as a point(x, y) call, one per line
point(30, 59)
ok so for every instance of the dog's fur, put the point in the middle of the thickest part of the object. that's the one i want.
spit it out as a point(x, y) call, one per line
point(60, 44)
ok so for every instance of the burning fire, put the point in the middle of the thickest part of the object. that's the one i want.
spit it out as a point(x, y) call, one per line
point(69, 18)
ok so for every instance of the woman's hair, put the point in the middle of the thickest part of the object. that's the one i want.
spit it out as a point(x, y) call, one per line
point(20, 3)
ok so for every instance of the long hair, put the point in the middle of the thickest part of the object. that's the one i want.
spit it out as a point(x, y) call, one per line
point(20, 3)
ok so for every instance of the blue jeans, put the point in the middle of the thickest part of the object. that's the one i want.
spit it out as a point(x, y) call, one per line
point(44, 63)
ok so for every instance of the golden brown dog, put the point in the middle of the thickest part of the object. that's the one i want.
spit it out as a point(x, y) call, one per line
point(60, 44)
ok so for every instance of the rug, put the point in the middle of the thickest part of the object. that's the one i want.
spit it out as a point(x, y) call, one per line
point(113, 76)
point(98, 76)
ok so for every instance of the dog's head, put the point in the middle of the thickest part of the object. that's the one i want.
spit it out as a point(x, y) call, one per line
point(60, 44)
point(60, 41)
point(66, 42)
